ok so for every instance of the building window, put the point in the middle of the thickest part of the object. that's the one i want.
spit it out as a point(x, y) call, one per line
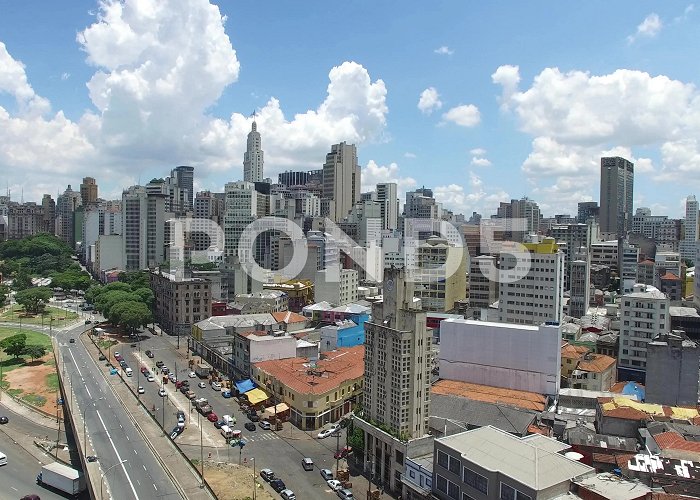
point(452, 490)
point(442, 459)
point(510, 493)
point(441, 483)
point(466, 497)
point(476, 481)
point(455, 466)
point(412, 474)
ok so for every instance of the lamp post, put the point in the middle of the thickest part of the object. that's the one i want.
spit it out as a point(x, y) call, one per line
point(138, 379)
point(255, 486)
point(201, 449)
point(102, 476)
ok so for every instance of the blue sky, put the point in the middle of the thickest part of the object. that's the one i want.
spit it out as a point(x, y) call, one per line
point(482, 101)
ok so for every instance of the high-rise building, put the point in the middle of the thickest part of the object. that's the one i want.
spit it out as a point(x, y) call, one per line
point(387, 197)
point(644, 314)
point(441, 277)
point(49, 206)
point(184, 195)
point(537, 297)
point(420, 204)
point(691, 229)
point(573, 237)
point(397, 379)
point(66, 205)
point(616, 196)
point(341, 179)
point(24, 219)
point(587, 210)
point(482, 291)
point(529, 210)
point(134, 228)
point(240, 207)
point(208, 206)
point(672, 370)
point(88, 191)
point(253, 156)
point(580, 284)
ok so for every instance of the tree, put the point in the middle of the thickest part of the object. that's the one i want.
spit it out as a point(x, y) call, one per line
point(34, 299)
point(34, 351)
point(14, 345)
point(146, 295)
point(107, 300)
point(356, 439)
point(131, 315)
point(4, 292)
point(21, 280)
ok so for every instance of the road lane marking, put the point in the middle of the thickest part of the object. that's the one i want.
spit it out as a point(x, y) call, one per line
point(154, 487)
point(144, 467)
point(117, 453)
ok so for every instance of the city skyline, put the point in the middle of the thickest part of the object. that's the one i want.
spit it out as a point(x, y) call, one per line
point(476, 119)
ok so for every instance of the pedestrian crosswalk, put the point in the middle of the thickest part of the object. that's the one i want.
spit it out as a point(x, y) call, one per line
point(260, 436)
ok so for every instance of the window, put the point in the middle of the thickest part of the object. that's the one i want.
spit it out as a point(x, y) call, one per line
point(441, 483)
point(455, 466)
point(452, 490)
point(476, 481)
point(466, 497)
point(412, 474)
point(442, 459)
point(510, 493)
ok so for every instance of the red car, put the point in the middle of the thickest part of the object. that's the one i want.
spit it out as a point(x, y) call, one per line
point(144, 369)
point(178, 385)
point(212, 417)
point(118, 357)
point(343, 453)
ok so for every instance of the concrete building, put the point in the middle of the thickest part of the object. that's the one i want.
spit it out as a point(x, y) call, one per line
point(316, 390)
point(210, 207)
point(483, 290)
point(179, 303)
point(397, 380)
point(645, 314)
point(488, 463)
point(341, 179)
point(88, 191)
point(344, 333)
point(388, 198)
point(66, 205)
point(338, 292)
point(256, 346)
point(182, 198)
point(441, 277)
point(240, 210)
point(420, 204)
point(536, 297)
point(593, 372)
point(616, 196)
point(49, 206)
point(24, 220)
point(268, 301)
point(518, 357)
point(580, 285)
point(253, 157)
point(691, 229)
point(671, 285)
point(108, 254)
point(587, 210)
point(134, 228)
point(572, 238)
point(672, 370)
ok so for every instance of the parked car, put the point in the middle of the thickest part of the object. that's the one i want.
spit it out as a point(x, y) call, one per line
point(226, 394)
point(160, 364)
point(216, 386)
point(278, 485)
point(143, 370)
point(288, 495)
point(326, 474)
point(325, 433)
point(150, 377)
point(344, 494)
point(183, 389)
point(342, 453)
point(253, 417)
point(201, 385)
point(212, 417)
point(141, 390)
point(162, 392)
point(190, 395)
point(267, 475)
point(87, 321)
point(165, 370)
point(334, 484)
point(307, 464)
point(149, 354)
point(265, 425)
point(219, 424)
point(192, 374)
point(180, 414)
point(249, 426)
point(71, 341)
point(172, 377)
point(102, 357)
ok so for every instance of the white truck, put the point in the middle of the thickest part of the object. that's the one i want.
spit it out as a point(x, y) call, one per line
point(61, 477)
point(202, 370)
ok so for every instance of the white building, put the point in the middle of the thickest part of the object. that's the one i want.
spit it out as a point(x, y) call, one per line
point(519, 357)
point(691, 229)
point(341, 179)
point(387, 196)
point(537, 297)
point(340, 291)
point(644, 314)
point(253, 157)
point(240, 210)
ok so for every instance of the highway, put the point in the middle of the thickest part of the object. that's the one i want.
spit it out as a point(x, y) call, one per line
point(136, 473)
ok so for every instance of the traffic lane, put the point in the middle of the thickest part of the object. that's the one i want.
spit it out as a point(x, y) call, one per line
point(113, 435)
point(18, 477)
point(29, 427)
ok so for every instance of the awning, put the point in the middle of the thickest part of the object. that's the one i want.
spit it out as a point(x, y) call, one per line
point(256, 396)
point(244, 386)
point(281, 408)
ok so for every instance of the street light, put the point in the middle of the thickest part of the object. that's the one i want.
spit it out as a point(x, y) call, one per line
point(102, 476)
point(255, 486)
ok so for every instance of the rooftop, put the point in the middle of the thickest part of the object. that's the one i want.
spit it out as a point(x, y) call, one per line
point(645, 292)
point(611, 487)
point(531, 462)
point(570, 351)
point(632, 410)
point(689, 312)
point(488, 394)
point(237, 321)
point(288, 317)
point(328, 373)
point(595, 363)
point(670, 277)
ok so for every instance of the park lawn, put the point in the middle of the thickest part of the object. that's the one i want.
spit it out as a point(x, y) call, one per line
point(61, 316)
point(9, 363)
point(52, 381)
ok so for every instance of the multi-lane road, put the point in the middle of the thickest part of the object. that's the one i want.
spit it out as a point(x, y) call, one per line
point(135, 472)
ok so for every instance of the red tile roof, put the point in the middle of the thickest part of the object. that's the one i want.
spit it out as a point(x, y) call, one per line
point(488, 394)
point(670, 276)
point(288, 317)
point(619, 386)
point(573, 351)
point(673, 441)
point(598, 363)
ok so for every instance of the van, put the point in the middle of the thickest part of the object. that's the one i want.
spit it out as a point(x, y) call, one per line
point(3, 458)
point(307, 464)
point(226, 431)
point(228, 420)
point(129, 372)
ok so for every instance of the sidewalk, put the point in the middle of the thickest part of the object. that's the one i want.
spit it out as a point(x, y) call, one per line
point(28, 413)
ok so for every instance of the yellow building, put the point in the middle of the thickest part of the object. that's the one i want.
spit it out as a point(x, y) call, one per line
point(300, 292)
point(316, 392)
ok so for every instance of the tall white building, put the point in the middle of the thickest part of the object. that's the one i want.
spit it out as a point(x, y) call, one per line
point(253, 157)
point(341, 179)
point(388, 198)
point(691, 229)
point(535, 298)
point(580, 290)
point(240, 209)
point(644, 314)
point(134, 228)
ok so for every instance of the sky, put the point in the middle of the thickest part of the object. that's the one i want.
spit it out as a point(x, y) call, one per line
point(480, 101)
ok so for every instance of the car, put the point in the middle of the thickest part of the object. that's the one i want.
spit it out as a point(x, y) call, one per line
point(212, 417)
point(334, 484)
point(267, 475)
point(102, 357)
point(342, 453)
point(307, 464)
point(278, 485)
point(72, 341)
point(265, 425)
point(150, 378)
point(172, 378)
point(4, 420)
point(160, 364)
point(185, 383)
point(253, 417)
point(325, 433)
point(192, 374)
point(165, 370)
point(177, 430)
point(326, 474)
point(89, 458)
point(345, 494)
point(249, 426)
point(116, 354)
point(226, 394)
point(183, 389)
point(141, 390)
point(201, 385)
point(123, 364)
point(288, 495)
point(87, 321)
point(149, 354)
point(219, 424)
point(143, 370)
point(180, 414)
point(162, 393)
point(118, 357)
point(216, 386)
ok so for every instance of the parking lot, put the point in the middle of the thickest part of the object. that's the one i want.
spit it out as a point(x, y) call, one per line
point(282, 451)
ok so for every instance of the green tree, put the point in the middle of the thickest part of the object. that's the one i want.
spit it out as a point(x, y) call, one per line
point(131, 315)
point(4, 292)
point(146, 295)
point(106, 300)
point(356, 440)
point(34, 351)
point(136, 279)
point(21, 280)
point(34, 299)
point(14, 345)
point(92, 293)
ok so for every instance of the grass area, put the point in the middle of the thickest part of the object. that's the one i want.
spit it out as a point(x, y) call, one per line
point(16, 313)
point(106, 344)
point(15, 392)
point(34, 399)
point(52, 381)
point(50, 362)
point(10, 363)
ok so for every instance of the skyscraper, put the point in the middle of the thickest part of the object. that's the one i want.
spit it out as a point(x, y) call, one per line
point(386, 195)
point(341, 179)
point(88, 191)
point(184, 194)
point(616, 196)
point(690, 229)
point(66, 205)
point(253, 157)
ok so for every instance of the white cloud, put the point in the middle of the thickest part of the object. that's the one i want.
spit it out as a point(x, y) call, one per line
point(476, 199)
point(508, 77)
point(466, 115)
point(408, 154)
point(479, 161)
point(686, 14)
point(429, 101)
point(65, 76)
point(444, 50)
point(648, 28)
point(477, 151)
point(374, 174)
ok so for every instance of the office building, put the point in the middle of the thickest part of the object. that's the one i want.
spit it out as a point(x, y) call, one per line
point(672, 370)
point(88, 191)
point(66, 205)
point(253, 156)
point(644, 314)
point(536, 296)
point(24, 220)
point(572, 238)
point(208, 206)
point(49, 206)
point(240, 210)
point(616, 196)
point(529, 210)
point(144, 228)
point(341, 179)
point(691, 229)
point(389, 203)
point(420, 204)
point(580, 285)
point(338, 292)
point(587, 210)
point(483, 284)
point(441, 276)
point(179, 303)
point(183, 195)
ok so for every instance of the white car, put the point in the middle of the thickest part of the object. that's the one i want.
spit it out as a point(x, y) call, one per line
point(151, 378)
point(162, 392)
point(141, 390)
point(201, 385)
point(192, 374)
point(325, 433)
point(334, 484)
point(216, 386)
point(172, 378)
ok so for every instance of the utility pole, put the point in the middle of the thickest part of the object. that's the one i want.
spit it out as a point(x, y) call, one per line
point(201, 449)
point(165, 400)
point(337, 451)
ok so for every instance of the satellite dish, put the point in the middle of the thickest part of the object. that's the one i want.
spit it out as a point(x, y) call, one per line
point(572, 455)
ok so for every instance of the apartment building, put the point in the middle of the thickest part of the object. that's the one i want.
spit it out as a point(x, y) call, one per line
point(483, 283)
point(441, 277)
point(180, 303)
